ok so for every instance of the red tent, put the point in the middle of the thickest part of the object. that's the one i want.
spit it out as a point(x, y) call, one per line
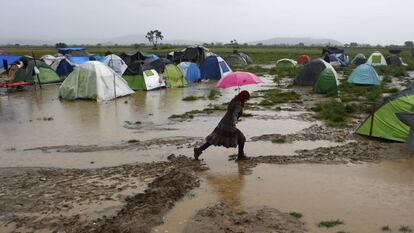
point(303, 59)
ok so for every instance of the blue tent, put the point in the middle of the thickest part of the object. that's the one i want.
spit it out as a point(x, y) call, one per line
point(64, 68)
point(78, 60)
point(151, 56)
point(214, 67)
point(190, 71)
point(65, 51)
point(10, 59)
point(364, 74)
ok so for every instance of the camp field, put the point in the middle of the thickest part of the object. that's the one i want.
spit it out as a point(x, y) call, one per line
point(260, 55)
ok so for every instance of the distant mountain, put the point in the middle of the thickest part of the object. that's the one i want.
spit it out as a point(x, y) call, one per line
point(297, 40)
point(22, 41)
point(120, 40)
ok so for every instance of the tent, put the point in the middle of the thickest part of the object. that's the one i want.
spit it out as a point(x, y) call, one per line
point(236, 60)
point(78, 60)
point(8, 60)
point(33, 71)
point(332, 50)
point(332, 59)
point(364, 74)
point(303, 59)
point(94, 80)
point(174, 77)
point(395, 60)
point(385, 123)
point(77, 52)
point(61, 65)
point(195, 54)
point(246, 57)
point(116, 63)
point(286, 63)
point(376, 59)
point(319, 74)
point(132, 56)
point(149, 80)
point(214, 67)
point(327, 81)
point(309, 74)
point(359, 59)
point(190, 71)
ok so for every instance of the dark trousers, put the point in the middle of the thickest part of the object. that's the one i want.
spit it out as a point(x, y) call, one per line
point(207, 145)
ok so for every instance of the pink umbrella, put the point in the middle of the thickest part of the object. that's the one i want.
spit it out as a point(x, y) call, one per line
point(237, 79)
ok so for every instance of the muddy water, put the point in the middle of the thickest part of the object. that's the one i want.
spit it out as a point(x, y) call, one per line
point(38, 118)
point(366, 197)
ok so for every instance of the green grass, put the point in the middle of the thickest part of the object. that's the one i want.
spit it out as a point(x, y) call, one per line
point(296, 215)
point(276, 96)
point(330, 223)
point(192, 113)
point(214, 94)
point(279, 141)
point(192, 98)
point(333, 112)
point(385, 228)
point(405, 229)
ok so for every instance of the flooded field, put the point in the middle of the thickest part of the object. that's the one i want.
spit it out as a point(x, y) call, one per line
point(322, 173)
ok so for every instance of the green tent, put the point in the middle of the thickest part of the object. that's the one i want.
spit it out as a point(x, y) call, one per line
point(174, 77)
point(286, 63)
point(94, 80)
point(30, 71)
point(135, 82)
point(386, 125)
point(327, 81)
point(150, 80)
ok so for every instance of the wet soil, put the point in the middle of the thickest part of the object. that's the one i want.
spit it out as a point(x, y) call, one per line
point(222, 218)
point(129, 198)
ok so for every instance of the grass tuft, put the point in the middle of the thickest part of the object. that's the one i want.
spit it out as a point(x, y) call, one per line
point(330, 223)
point(296, 215)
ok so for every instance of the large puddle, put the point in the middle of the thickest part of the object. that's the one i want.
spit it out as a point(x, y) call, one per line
point(366, 197)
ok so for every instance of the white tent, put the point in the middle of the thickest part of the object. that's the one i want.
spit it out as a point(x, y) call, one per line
point(286, 61)
point(94, 80)
point(116, 63)
point(376, 59)
point(153, 80)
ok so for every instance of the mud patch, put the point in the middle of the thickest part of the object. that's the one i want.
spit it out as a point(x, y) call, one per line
point(72, 200)
point(353, 152)
point(132, 144)
point(313, 133)
point(142, 127)
point(222, 218)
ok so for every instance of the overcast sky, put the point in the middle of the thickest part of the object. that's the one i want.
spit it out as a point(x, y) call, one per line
point(370, 21)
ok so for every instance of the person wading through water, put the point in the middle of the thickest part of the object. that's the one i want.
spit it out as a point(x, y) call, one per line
point(226, 134)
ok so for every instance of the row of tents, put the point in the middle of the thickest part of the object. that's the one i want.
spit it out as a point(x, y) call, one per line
point(138, 70)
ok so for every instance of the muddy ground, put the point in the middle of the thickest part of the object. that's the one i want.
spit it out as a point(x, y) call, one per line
point(135, 197)
point(129, 198)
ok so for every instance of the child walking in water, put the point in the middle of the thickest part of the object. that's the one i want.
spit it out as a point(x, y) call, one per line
point(226, 134)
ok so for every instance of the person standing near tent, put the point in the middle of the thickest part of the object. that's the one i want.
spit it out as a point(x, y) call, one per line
point(226, 134)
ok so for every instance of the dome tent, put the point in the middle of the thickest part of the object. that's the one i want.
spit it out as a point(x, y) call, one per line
point(214, 67)
point(384, 123)
point(174, 77)
point(116, 63)
point(60, 64)
point(359, 59)
point(190, 71)
point(395, 60)
point(286, 63)
point(319, 74)
point(94, 80)
point(376, 59)
point(238, 59)
point(364, 74)
point(35, 71)
point(303, 59)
